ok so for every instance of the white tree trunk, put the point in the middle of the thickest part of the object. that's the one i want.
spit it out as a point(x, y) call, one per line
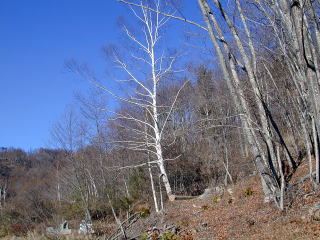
point(268, 182)
point(154, 194)
point(316, 150)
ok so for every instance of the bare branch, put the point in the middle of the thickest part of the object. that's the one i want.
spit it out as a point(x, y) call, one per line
point(165, 14)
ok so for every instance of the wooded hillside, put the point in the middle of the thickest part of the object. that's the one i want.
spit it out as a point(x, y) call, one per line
point(170, 126)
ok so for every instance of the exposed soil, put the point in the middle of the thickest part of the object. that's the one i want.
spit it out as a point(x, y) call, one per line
point(239, 214)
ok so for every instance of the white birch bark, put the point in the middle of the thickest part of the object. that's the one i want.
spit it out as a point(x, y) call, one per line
point(144, 94)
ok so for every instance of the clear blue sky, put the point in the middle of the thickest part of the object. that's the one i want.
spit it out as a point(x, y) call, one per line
point(36, 38)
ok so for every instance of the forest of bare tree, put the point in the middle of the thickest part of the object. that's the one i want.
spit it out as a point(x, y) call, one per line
point(169, 127)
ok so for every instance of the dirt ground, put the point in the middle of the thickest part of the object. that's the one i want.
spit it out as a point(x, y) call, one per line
point(236, 213)
point(239, 213)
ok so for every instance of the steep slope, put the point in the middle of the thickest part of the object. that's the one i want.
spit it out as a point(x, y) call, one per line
point(239, 213)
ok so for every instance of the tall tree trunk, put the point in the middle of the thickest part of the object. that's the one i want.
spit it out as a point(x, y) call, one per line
point(282, 181)
point(154, 195)
point(268, 182)
point(226, 162)
point(118, 221)
point(252, 79)
point(316, 150)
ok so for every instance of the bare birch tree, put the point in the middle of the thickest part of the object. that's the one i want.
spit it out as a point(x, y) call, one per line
point(142, 83)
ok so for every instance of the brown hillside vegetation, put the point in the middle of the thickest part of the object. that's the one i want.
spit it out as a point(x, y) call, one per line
point(221, 144)
point(241, 214)
point(237, 213)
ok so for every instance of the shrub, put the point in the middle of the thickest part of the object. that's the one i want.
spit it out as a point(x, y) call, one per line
point(143, 236)
point(145, 212)
point(169, 236)
point(122, 203)
point(138, 183)
point(205, 207)
point(248, 192)
point(71, 210)
point(4, 230)
point(18, 230)
point(216, 199)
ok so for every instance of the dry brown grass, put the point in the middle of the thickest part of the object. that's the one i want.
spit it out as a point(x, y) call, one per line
point(243, 216)
point(240, 214)
point(37, 236)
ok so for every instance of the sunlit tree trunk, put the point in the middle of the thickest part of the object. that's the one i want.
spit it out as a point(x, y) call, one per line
point(268, 182)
